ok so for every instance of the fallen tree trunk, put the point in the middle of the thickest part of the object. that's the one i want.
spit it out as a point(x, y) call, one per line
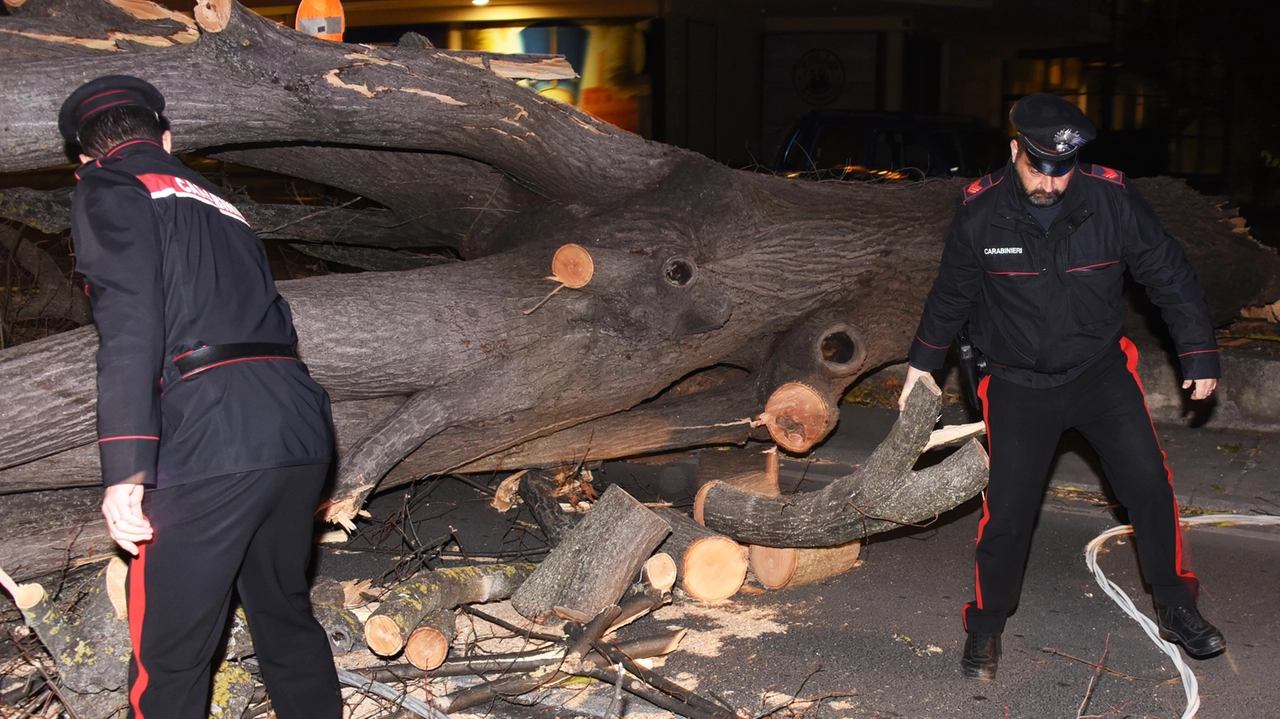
point(699, 265)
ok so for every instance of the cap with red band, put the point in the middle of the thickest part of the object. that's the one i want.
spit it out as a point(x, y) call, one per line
point(104, 93)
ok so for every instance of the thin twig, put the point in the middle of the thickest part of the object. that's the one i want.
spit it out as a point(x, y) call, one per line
point(1106, 647)
point(1108, 670)
point(304, 218)
point(814, 668)
point(48, 680)
point(526, 632)
point(413, 704)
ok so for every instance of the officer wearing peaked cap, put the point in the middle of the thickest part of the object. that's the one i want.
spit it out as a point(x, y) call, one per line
point(215, 442)
point(1034, 262)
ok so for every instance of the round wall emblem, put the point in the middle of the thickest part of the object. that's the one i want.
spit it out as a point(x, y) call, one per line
point(818, 76)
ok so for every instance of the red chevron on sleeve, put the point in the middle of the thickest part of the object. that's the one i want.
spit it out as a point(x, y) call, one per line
point(977, 187)
point(1106, 173)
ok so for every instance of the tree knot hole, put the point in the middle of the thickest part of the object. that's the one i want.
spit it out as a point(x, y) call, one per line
point(841, 348)
point(679, 271)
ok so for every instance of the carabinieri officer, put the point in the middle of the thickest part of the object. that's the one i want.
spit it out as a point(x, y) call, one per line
point(1035, 261)
point(215, 441)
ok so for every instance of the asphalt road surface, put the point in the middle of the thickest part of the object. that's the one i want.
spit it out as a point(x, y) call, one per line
point(884, 639)
point(890, 631)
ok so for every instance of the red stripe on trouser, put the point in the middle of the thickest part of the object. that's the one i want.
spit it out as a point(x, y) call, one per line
point(1131, 362)
point(137, 612)
point(986, 512)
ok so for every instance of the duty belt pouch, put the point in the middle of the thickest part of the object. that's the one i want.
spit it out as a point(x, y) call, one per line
point(972, 366)
point(210, 356)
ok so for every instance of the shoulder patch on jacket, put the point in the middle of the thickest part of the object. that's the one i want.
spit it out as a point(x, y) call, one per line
point(1104, 173)
point(172, 186)
point(977, 187)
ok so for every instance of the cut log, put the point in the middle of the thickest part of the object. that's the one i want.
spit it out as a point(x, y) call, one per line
point(660, 572)
point(785, 567)
point(798, 417)
point(341, 626)
point(428, 645)
point(404, 608)
point(597, 560)
point(711, 567)
point(881, 494)
point(90, 648)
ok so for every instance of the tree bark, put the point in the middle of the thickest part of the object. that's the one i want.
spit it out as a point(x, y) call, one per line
point(538, 492)
point(598, 559)
point(404, 608)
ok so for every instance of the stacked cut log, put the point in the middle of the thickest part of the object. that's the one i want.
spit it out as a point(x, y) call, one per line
point(706, 565)
point(782, 567)
point(595, 562)
point(405, 608)
point(879, 495)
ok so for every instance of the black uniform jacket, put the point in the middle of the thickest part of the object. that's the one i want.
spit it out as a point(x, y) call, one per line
point(1043, 306)
point(170, 267)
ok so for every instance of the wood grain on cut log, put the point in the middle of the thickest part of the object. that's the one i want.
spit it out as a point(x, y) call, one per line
point(798, 417)
point(404, 608)
point(710, 566)
point(428, 645)
point(786, 567)
point(660, 572)
point(596, 561)
point(883, 493)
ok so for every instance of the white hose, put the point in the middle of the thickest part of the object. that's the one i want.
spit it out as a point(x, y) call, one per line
point(1189, 684)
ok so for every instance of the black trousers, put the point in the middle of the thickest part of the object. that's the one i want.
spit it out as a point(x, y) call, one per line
point(251, 531)
point(1107, 406)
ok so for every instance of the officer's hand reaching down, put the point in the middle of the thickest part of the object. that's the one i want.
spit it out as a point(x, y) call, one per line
point(1203, 387)
point(913, 376)
point(122, 508)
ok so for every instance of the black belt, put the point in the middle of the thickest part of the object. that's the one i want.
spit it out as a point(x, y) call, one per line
point(199, 360)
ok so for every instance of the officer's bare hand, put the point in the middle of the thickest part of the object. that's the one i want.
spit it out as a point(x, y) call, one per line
point(1203, 387)
point(122, 508)
point(913, 376)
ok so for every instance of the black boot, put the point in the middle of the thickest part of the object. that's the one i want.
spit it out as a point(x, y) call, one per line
point(981, 655)
point(1185, 626)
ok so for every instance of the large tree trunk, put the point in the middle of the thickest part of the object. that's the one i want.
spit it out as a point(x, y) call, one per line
point(696, 265)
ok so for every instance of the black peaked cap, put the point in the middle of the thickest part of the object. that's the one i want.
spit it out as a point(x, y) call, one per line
point(1052, 127)
point(105, 92)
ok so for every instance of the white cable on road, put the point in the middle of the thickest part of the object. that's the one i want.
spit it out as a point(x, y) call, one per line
point(1189, 684)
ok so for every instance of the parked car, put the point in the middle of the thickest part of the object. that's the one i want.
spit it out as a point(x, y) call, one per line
point(829, 144)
